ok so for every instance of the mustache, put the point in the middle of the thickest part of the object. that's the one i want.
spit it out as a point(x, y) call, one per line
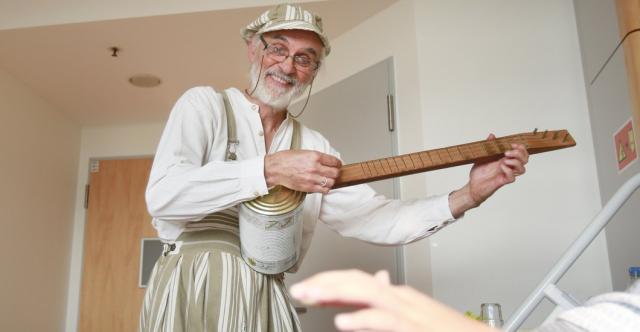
point(280, 75)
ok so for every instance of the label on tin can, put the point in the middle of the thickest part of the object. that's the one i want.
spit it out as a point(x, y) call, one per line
point(270, 244)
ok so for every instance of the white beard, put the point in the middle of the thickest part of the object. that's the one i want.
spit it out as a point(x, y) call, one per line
point(276, 97)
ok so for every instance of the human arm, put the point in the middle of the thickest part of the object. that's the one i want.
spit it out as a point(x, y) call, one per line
point(359, 212)
point(302, 170)
point(486, 178)
point(380, 305)
point(190, 178)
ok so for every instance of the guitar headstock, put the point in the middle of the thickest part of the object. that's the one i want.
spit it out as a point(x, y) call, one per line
point(547, 140)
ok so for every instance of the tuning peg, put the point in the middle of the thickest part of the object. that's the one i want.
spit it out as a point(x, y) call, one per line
point(565, 137)
point(535, 131)
point(555, 135)
point(544, 134)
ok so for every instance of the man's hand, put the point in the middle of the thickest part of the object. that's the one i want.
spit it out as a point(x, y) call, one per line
point(380, 306)
point(486, 178)
point(302, 170)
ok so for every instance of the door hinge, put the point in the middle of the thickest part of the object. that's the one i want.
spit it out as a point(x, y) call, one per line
point(391, 112)
point(86, 195)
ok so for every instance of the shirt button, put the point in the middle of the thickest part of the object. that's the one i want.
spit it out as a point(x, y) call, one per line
point(261, 133)
point(254, 107)
point(256, 194)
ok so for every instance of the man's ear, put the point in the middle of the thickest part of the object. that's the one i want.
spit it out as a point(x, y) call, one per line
point(251, 48)
point(251, 51)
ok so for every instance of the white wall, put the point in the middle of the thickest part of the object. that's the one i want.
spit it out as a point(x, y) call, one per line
point(505, 67)
point(101, 143)
point(37, 180)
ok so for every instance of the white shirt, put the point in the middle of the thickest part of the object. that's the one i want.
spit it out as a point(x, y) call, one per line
point(191, 179)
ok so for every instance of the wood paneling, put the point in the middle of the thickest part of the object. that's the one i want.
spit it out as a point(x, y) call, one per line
point(628, 20)
point(628, 15)
point(117, 219)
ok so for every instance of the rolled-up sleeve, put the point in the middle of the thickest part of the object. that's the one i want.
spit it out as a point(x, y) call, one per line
point(359, 212)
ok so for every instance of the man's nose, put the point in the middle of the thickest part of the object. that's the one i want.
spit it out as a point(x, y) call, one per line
point(288, 65)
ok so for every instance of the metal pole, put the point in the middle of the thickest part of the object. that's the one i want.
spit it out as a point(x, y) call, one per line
point(574, 251)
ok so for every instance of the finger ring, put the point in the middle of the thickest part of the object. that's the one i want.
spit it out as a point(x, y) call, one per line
point(323, 182)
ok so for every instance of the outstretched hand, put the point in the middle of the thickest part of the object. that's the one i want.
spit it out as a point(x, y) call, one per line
point(486, 178)
point(302, 170)
point(381, 305)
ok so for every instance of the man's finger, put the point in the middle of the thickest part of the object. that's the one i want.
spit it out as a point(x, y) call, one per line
point(508, 173)
point(518, 152)
point(516, 165)
point(330, 172)
point(323, 184)
point(329, 160)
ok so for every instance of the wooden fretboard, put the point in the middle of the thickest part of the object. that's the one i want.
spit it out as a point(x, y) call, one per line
point(480, 151)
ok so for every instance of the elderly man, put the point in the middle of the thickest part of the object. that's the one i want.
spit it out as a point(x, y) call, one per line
point(222, 148)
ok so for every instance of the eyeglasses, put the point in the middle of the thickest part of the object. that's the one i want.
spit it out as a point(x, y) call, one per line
point(302, 62)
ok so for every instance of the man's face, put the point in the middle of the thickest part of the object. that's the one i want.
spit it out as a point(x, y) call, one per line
point(282, 80)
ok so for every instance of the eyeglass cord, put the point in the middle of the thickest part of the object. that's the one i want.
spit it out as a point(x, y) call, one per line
point(306, 102)
point(258, 80)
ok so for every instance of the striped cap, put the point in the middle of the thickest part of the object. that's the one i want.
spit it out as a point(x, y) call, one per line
point(287, 17)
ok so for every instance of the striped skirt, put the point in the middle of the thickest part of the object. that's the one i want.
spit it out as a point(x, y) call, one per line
point(203, 284)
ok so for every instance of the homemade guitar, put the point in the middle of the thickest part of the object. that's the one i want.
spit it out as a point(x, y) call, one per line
point(480, 151)
point(271, 225)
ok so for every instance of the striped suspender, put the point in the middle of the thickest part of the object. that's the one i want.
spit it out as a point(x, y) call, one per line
point(232, 137)
point(296, 139)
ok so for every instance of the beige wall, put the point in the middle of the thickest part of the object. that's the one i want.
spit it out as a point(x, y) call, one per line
point(22, 14)
point(38, 172)
point(101, 143)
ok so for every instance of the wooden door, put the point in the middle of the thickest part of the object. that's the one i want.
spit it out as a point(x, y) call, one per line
point(117, 220)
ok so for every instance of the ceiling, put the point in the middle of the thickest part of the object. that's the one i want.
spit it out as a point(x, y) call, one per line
point(70, 65)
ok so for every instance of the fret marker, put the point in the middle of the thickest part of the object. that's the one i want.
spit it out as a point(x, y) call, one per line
point(486, 151)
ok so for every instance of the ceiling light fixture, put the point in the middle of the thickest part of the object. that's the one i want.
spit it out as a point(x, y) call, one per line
point(145, 80)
